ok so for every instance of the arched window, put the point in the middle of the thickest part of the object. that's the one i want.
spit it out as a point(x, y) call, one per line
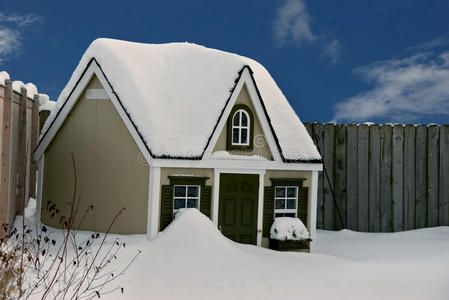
point(241, 128)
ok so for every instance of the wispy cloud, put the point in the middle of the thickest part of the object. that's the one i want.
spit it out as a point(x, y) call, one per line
point(404, 89)
point(11, 32)
point(332, 51)
point(433, 44)
point(293, 24)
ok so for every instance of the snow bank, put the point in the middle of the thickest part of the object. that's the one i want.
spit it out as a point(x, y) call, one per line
point(193, 232)
point(176, 92)
point(285, 228)
point(190, 259)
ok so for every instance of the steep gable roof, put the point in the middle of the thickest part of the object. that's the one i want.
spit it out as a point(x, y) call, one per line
point(175, 93)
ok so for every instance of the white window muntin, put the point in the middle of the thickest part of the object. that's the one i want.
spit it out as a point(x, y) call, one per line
point(285, 195)
point(243, 130)
point(185, 194)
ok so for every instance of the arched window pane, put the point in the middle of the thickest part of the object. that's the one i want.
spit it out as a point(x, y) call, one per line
point(244, 120)
point(235, 136)
point(244, 138)
point(236, 120)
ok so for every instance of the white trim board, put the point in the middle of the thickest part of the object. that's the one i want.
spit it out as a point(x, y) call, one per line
point(96, 94)
point(154, 191)
point(313, 192)
point(243, 164)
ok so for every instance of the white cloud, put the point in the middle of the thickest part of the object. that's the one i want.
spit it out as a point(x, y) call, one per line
point(404, 89)
point(11, 32)
point(292, 23)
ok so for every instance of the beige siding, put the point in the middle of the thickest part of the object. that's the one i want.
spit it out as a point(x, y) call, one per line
point(110, 174)
point(260, 146)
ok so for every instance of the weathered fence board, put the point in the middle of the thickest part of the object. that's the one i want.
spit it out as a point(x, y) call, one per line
point(432, 175)
point(421, 177)
point(328, 159)
point(21, 154)
point(397, 162)
point(362, 174)
point(6, 152)
point(340, 175)
point(34, 136)
point(351, 177)
point(318, 131)
point(444, 176)
point(374, 179)
point(409, 177)
point(386, 178)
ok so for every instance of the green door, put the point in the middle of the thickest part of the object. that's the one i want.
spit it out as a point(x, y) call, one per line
point(237, 216)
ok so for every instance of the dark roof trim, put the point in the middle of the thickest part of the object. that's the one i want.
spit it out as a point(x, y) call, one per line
point(210, 137)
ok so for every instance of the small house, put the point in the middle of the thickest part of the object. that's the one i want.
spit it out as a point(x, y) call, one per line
point(156, 128)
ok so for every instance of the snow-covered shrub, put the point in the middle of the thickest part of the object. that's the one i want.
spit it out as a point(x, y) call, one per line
point(286, 228)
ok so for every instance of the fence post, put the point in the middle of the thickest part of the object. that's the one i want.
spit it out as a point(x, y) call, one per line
point(34, 137)
point(21, 154)
point(6, 152)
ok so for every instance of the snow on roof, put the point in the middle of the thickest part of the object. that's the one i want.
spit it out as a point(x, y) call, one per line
point(175, 92)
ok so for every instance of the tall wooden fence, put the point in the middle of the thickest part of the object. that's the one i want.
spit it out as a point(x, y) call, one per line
point(383, 178)
point(19, 120)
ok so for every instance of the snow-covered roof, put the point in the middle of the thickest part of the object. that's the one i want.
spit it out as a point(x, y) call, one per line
point(175, 93)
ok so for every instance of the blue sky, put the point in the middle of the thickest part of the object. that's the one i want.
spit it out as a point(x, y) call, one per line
point(348, 61)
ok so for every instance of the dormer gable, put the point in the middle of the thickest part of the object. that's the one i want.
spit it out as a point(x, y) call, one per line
point(256, 142)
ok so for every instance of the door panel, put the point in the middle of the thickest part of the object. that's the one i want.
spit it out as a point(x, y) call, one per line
point(229, 211)
point(237, 215)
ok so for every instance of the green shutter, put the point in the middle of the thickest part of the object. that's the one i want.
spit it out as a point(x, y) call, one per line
point(303, 204)
point(268, 210)
point(166, 206)
point(206, 200)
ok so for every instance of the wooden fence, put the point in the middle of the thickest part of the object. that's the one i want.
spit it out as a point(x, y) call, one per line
point(19, 120)
point(384, 177)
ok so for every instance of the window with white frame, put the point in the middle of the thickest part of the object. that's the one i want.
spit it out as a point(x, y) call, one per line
point(286, 201)
point(240, 128)
point(186, 196)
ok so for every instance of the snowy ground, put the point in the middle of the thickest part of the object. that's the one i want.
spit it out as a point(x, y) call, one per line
point(192, 260)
